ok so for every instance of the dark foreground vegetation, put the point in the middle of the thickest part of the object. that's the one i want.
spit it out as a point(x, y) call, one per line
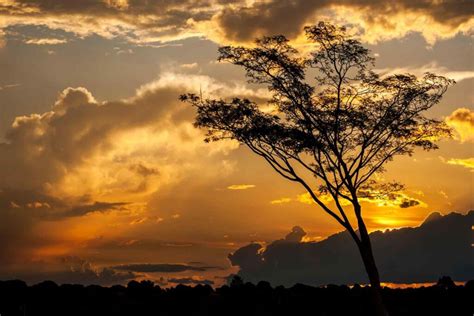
point(145, 298)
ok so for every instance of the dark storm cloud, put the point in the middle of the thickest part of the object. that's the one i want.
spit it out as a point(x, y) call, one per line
point(442, 245)
point(161, 267)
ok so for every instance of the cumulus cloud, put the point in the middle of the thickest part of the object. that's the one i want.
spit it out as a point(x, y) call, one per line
point(296, 235)
point(79, 137)
point(403, 255)
point(239, 21)
point(87, 156)
point(462, 121)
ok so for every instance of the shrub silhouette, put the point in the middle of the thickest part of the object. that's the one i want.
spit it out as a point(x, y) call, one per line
point(145, 298)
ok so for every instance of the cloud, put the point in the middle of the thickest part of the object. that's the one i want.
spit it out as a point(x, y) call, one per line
point(281, 201)
point(46, 41)
point(38, 205)
point(103, 159)
point(432, 67)
point(377, 20)
point(147, 219)
point(467, 163)
point(240, 186)
point(148, 22)
point(440, 243)
point(406, 203)
point(74, 270)
point(90, 208)
point(374, 196)
point(83, 146)
point(193, 281)
point(382, 198)
point(306, 198)
point(462, 121)
point(9, 86)
point(296, 235)
point(189, 66)
point(137, 21)
point(161, 267)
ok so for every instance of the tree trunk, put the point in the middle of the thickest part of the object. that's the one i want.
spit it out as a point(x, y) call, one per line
point(365, 249)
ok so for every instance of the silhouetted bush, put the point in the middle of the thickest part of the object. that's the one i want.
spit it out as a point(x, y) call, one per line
point(146, 298)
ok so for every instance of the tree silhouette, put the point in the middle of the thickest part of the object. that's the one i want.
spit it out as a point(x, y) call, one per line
point(331, 131)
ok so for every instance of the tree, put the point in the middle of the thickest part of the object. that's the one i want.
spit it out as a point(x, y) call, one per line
point(331, 133)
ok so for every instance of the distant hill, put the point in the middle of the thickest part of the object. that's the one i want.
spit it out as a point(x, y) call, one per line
point(442, 245)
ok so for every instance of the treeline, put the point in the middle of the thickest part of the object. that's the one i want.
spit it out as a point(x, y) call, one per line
point(146, 298)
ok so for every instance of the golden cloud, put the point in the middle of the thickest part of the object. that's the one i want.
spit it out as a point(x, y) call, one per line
point(376, 20)
point(281, 200)
point(144, 22)
point(432, 67)
point(462, 121)
point(241, 186)
point(373, 196)
point(95, 165)
point(126, 148)
point(467, 163)
point(46, 41)
point(306, 198)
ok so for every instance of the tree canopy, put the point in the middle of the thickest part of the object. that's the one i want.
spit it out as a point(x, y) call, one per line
point(341, 126)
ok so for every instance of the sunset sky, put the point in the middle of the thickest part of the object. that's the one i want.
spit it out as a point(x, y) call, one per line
point(100, 164)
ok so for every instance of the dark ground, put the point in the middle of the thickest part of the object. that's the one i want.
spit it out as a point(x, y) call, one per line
point(144, 298)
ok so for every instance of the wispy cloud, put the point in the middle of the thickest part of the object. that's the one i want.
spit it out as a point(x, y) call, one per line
point(9, 86)
point(162, 267)
point(189, 66)
point(281, 200)
point(46, 41)
point(240, 186)
point(466, 163)
point(457, 75)
point(374, 196)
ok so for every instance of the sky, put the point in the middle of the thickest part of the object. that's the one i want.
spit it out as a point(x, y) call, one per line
point(101, 167)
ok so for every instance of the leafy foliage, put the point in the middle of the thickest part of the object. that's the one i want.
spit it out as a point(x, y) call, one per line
point(340, 130)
